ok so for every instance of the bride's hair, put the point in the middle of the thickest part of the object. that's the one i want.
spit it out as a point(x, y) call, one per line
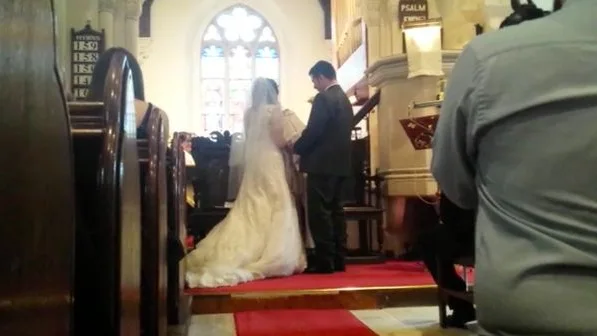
point(264, 92)
point(274, 85)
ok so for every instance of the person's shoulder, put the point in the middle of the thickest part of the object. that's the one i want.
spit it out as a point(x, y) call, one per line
point(333, 91)
point(531, 34)
point(320, 95)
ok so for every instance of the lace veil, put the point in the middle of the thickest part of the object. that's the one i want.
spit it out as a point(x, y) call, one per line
point(264, 93)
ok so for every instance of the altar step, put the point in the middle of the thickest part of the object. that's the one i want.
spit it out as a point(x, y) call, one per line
point(361, 286)
point(367, 259)
point(332, 298)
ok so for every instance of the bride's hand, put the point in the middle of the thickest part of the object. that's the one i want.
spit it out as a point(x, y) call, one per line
point(290, 145)
point(291, 142)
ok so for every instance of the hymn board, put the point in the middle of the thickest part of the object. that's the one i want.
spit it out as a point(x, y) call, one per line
point(412, 10)
point(86, 47)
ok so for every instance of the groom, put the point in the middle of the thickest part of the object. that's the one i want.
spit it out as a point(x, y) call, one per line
point(325, 155)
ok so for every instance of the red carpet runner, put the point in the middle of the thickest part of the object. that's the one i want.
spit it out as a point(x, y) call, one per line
point(300, 323)
point(390, 274)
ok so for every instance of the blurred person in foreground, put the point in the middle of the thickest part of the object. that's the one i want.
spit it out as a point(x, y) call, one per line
point(516, 143)
point(454, 236)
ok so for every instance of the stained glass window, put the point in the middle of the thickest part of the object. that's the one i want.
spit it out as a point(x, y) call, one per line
point(213, 103)
point(238, 46)
point(267, 63)
point(213, 62)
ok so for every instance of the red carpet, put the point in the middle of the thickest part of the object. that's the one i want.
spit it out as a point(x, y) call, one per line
point(389, 274)
point(300, 323)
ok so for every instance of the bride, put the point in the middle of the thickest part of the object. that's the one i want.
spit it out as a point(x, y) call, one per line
point(260, 236)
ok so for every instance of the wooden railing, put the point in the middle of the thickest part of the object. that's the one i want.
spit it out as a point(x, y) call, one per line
point(367, 108)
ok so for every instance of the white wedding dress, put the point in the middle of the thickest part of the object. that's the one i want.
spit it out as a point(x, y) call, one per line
point(260, 236)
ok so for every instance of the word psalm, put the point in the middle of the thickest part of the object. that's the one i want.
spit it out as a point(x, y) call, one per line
point(413, 7)
point(412, 10)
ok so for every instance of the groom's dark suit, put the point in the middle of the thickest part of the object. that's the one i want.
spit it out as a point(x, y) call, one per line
point(325, 155)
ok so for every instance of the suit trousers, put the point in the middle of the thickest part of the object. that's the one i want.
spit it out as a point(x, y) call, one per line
point(326, 219)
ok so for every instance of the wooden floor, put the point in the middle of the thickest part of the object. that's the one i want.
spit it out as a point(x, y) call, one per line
point(340, 298)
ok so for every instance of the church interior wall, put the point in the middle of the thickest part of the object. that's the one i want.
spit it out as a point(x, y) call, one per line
point(171, 66)
point(171, 59)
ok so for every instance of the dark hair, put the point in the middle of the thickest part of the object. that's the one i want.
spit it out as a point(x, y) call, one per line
point(323, 68)
point(185, 136)
point(522, 13)
point(274, 85)
point(100, 71)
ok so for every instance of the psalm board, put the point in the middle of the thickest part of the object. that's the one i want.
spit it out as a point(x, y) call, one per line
point(86, 47)
point(412, 10)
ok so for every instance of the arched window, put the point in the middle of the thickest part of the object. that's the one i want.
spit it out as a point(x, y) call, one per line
point(238, 46)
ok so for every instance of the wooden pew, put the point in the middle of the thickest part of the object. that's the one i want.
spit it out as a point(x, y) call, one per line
point(178, 303)
point(152, 158)
point(37, 217)
point(108, 239)
point(152, 149)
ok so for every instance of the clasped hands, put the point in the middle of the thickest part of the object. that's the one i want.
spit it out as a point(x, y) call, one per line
point(290, 143)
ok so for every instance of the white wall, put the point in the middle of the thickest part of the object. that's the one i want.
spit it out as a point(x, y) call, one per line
point(171, 68)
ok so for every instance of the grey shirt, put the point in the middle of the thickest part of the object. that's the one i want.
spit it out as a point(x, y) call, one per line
point(517, 139)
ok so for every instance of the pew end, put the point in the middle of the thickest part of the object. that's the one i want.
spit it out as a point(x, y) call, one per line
point(107, 240)
point(37, 214)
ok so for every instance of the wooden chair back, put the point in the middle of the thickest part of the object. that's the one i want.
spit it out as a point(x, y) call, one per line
point(211, 155)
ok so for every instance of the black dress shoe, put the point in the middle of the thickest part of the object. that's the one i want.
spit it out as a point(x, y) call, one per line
point(339, 267)
point(311, 260)
point(319, 270)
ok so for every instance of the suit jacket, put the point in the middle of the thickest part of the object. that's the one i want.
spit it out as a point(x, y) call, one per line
point(325, 145)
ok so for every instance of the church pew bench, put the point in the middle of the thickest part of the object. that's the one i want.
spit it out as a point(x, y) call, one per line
point(107, 239)
point(179, 304)
point(154, 165)
point(37, 214)
point(152, 147)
